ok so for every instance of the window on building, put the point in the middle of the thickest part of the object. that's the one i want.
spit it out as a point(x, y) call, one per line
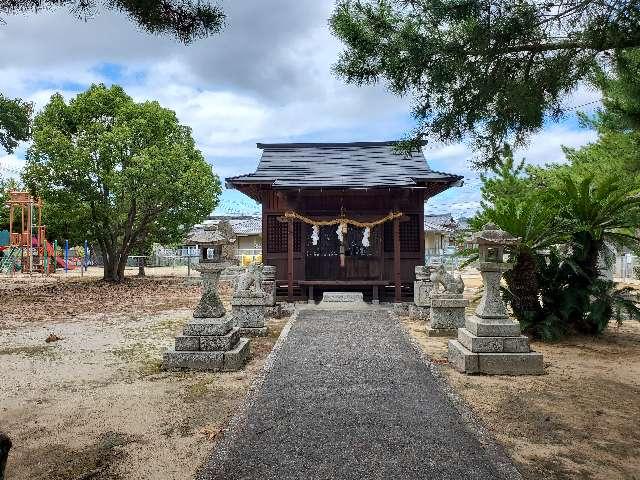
point(277, 233)
point(409, 235)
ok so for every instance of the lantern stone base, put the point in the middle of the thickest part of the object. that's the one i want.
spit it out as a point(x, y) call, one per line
point(208, 344)
point(466, 361)
point(494, 347)
point(229, 361)
point(498, 328)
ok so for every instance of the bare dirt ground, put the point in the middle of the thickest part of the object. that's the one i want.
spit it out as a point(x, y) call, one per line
point(96, 404)
point(580, 420)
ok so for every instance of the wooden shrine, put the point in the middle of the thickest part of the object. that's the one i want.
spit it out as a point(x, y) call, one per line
point(342, 215)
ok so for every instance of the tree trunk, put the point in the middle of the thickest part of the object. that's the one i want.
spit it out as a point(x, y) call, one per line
point(141, 272)
point(5, 446)
point(108, 273)
point(522, 282)
point(114, 266)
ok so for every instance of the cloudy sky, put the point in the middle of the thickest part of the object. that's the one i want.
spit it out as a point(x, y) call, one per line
point(266, 78)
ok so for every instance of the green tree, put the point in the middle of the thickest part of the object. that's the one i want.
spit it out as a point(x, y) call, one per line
point(489, 70)
point(620, 94)
point(15, 119)
point(124, 172)
point(184, 19)
point(6, 185)
point(617, 151)
point(512, 201)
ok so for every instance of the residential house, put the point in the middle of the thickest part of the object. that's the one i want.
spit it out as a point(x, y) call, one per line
point(438, 233)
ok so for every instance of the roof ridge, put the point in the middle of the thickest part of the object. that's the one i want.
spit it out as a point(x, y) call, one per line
point(387, 143)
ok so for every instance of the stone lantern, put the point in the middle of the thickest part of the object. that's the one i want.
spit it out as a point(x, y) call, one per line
point(491, 249)
point(491, 342)
point(209, 340)
point(210, 266)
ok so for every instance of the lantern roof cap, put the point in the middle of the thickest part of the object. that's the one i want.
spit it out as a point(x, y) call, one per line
point(209, 235)
point(492, 235)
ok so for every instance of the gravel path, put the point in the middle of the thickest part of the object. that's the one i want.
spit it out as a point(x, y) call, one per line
point(348, 397)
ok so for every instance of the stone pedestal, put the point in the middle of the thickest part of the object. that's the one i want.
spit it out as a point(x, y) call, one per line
point(269, 285)
point(210, 305)
point(447, 314)
point(208, 344)
point(209, 341)
point(422, 286)
point(490, 342)
point(421, 290)
point(248, 309)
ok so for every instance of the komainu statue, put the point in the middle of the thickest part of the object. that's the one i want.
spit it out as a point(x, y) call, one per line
point(450, 284)
point(249, 282)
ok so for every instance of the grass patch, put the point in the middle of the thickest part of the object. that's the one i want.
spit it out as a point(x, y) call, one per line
point(197, 390)
point(168, 326)
point(30, 351)
point(146, 358)
point(58, 462)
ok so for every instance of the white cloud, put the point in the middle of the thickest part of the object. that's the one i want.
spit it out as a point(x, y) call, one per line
point(266, 78)
point(544, 148)
point(10, 166)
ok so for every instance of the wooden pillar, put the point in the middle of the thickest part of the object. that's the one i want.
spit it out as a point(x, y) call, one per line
point(396, 257)
point(10, 224)
point(290, 260)
point(311, 295)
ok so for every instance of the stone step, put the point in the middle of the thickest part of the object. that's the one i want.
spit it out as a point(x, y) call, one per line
point(175, 360)
point(254, 331)
point(485, 328)
point(231, 360)
point(226, 342)
point(208, 326)
point(208, 343)
point(466, 361)
point(187, 343)
point(342, 297)
point(235, 359)
point(477, 344)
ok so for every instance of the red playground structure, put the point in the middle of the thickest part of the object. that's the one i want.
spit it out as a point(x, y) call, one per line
point(29, 244)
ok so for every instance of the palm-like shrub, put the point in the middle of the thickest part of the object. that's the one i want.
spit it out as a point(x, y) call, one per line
point(530, 218)
point(511, 202)
point(555, 286)
point(600, 213)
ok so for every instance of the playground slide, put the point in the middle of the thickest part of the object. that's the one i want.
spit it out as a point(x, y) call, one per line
point(50, 252)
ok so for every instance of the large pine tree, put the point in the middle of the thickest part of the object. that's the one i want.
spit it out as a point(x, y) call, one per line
point(489, 70)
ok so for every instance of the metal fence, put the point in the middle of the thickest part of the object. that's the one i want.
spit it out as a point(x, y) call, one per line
point(626, 266)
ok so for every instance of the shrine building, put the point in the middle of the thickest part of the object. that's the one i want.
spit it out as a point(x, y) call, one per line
point(343, 216)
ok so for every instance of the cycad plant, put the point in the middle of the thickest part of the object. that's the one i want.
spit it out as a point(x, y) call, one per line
point(533, 220)
point(566, 225)
point(601, 213)
point(511, 201)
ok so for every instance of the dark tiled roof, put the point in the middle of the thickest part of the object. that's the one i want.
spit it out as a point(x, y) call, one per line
point(340, 165)
point(247, 227)
point(242, 224)
point(439, 223)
